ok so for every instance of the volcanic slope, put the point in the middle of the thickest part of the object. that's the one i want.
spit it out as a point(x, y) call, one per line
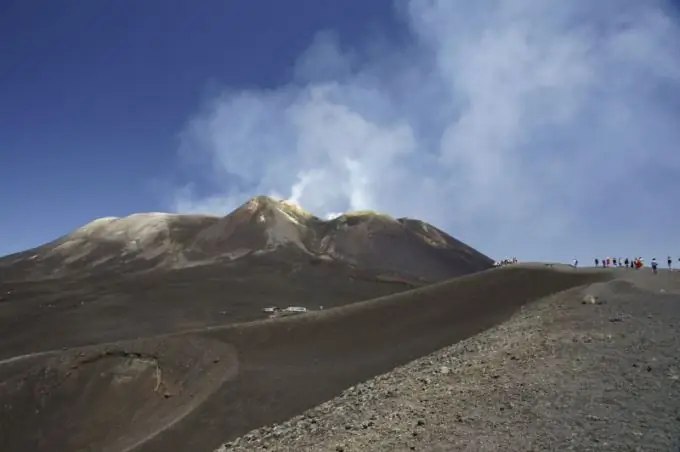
point(274, 370)
point(149, 274)
point(51, 314)
point(159, 241)
point(593, 368)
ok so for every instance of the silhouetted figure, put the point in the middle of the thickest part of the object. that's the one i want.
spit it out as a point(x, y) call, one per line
point(597, 262)
point(654, 265)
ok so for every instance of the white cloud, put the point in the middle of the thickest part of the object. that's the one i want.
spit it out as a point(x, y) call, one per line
point(531, 128)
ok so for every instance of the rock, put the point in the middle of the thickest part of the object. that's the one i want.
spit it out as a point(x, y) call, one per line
point(279, 431)
point(589, 299)
point(444, 370)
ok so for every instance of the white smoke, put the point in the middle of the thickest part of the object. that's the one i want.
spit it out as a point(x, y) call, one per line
point(539, 128)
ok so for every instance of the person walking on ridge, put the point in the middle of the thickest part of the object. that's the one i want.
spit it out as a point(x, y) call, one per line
point(654, 265)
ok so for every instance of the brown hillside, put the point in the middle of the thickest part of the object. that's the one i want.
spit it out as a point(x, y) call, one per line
point(284, 366)
point(261, 226)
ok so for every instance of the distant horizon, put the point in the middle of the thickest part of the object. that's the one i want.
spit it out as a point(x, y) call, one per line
point(582, 263)
point(544, 127)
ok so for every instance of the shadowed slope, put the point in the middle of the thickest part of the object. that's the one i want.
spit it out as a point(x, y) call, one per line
point(266, 371)
point(568, 372)
point(51, 314)
point(288, 365)
point(108, 398)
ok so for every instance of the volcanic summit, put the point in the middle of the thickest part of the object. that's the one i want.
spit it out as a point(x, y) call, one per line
point(261, 226)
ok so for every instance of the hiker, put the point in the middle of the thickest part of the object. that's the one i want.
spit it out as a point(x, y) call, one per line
point(626, 262)
point(597, 262)
point(654, 264)
point(575, 263)
point(670, 263)
point(614, 261)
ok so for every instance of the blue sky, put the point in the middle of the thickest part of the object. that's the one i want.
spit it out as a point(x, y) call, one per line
point(542, 129)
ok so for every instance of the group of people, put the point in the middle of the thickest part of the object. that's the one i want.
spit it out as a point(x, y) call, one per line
point(607, 262)
point(636, 263)
point(506, 261)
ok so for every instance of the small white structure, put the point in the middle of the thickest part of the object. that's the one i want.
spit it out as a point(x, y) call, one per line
point(271, 309)
point(295, 309)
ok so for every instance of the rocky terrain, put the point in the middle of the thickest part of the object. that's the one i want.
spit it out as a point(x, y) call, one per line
point(592, 368)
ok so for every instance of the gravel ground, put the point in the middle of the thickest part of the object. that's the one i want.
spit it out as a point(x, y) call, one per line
point(593, 368)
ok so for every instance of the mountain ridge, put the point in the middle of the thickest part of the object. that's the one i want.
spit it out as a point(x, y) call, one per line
point(262, 225)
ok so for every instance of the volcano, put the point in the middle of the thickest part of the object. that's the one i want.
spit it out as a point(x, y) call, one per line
point(395, 247)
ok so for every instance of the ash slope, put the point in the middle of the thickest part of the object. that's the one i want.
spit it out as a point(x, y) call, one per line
point(561, 374)
point(158, 241)
point(109, 398)
point(277, 368)
point(49, 314)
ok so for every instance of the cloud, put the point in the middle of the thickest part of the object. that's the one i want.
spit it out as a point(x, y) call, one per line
point(544, 129)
